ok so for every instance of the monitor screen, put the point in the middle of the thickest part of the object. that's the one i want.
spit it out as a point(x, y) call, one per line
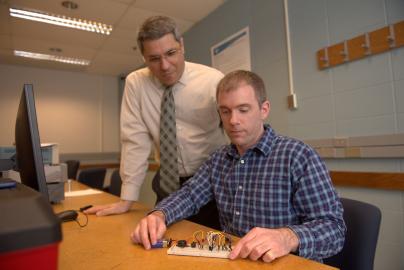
point(28, 146)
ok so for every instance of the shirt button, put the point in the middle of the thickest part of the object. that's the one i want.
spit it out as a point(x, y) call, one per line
point(242, 161)
point(237, 213)
point(240, 187)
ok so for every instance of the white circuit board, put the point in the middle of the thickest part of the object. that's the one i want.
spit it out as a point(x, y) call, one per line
point(197, 252)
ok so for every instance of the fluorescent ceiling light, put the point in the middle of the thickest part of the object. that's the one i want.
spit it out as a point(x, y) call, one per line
point(61, 20)
point(68, 60)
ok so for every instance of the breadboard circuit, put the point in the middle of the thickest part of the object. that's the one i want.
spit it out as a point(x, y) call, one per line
point(198, 252)
point(209, 244)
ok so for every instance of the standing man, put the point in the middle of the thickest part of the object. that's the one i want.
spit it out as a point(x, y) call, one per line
point(273, 191)
point(171, 105)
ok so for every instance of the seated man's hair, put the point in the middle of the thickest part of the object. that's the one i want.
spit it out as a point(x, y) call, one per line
point(235, 79)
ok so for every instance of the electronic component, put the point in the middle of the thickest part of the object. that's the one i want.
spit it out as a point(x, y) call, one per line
point(162, 243)
point(181, 243)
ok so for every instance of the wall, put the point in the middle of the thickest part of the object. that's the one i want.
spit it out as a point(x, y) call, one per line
point(365, 97)
point(358, 98)
point(79, 111)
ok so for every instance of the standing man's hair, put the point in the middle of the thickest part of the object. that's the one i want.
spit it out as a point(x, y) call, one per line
point(236, 78)
point(156, 27)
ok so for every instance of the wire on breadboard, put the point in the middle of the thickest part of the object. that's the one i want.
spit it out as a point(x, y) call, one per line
point(210, 244)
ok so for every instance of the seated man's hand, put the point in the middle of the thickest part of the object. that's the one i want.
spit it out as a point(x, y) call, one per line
point(150, 229)
point(267, 244)
point(110, 209)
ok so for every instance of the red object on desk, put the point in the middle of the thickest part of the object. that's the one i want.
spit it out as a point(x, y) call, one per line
point(30, 232)
point(44, 258)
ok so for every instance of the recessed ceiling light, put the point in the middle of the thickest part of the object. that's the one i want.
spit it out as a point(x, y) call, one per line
point(57, 58)
point(61, 20)
point(70, 5)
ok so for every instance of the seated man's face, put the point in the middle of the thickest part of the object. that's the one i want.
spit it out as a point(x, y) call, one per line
point(165, 58)
point(242, 116)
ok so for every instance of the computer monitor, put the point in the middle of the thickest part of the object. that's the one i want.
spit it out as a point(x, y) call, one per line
point(28, 146)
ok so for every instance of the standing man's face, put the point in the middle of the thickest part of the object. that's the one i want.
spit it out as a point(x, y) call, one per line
point(165, 58)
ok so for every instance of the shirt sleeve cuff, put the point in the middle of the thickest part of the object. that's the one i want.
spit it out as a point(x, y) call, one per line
point(130, 192)
point(305, 248)
point(169, 216)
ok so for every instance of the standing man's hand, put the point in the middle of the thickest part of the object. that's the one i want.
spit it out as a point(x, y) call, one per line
point(267, 244)
point(110, 209)
point(150, 229)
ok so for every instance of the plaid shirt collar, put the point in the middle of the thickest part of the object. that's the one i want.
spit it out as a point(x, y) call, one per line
point(263, 146)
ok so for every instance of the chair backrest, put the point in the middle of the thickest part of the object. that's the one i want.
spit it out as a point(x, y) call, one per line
point(363, 223)
point(93, 177)
point(72, 168)
point(116, 183)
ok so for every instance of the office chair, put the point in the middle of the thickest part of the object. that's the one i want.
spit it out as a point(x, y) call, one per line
point(363, 222)
point(116, 182)
point(93, 177)
point(72, 168)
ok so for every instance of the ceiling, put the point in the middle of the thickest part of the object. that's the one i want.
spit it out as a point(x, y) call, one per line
point(114, 54)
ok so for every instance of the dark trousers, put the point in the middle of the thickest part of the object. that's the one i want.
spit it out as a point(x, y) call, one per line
point(207, 215)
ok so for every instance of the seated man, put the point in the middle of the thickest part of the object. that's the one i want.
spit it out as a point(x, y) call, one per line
point(273, 191)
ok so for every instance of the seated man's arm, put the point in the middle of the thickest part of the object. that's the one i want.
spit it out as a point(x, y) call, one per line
point(179, 205)
point(321, 231)
point(187, 201)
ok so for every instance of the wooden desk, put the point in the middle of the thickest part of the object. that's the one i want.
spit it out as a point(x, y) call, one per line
point(104, 243)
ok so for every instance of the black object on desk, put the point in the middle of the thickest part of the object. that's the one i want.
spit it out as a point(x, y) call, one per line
point(67, 215)
point(29, 229)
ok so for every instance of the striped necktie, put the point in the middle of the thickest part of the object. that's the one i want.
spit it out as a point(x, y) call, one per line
point(169, 179)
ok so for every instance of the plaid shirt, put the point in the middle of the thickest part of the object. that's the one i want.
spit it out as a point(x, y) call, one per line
point(280, 182)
